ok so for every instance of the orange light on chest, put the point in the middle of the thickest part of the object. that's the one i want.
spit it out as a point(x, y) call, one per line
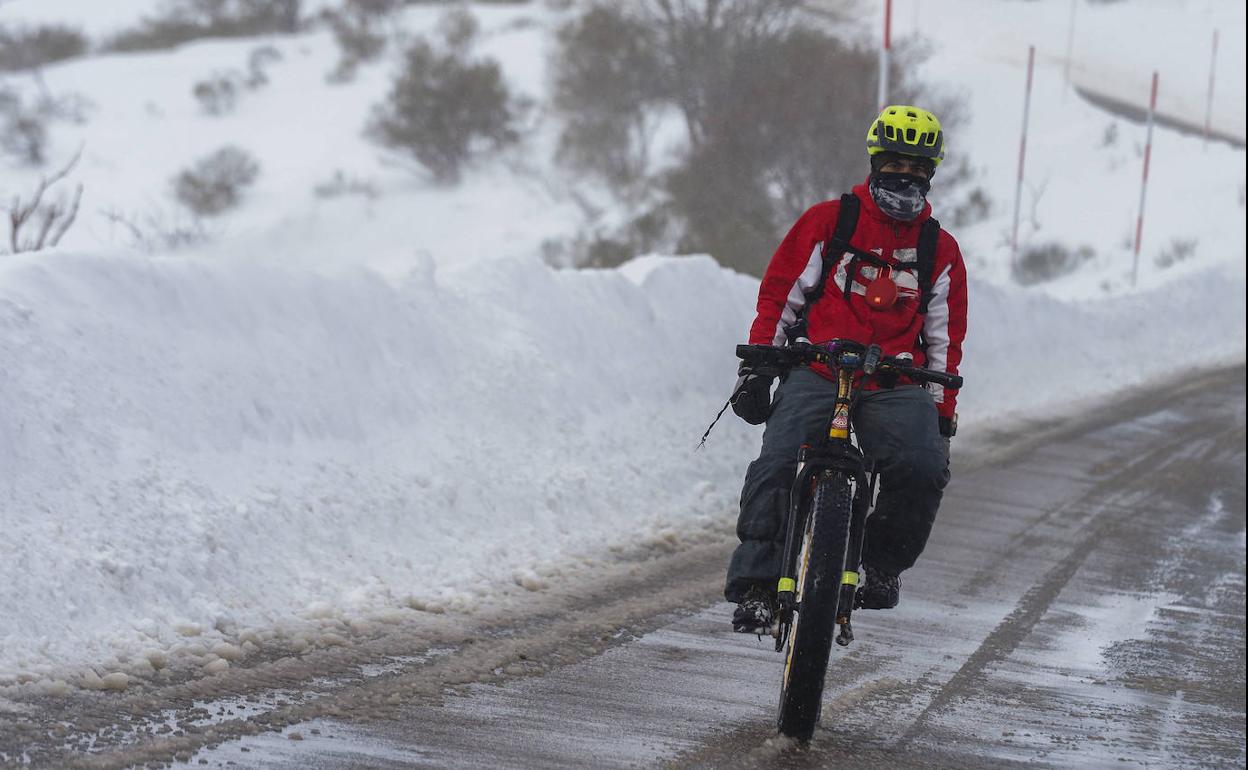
point(882, 293)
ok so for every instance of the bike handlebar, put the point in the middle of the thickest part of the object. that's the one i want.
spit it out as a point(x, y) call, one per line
point(772, 360)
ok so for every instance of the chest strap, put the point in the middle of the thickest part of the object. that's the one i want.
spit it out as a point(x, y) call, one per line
point(838, 244)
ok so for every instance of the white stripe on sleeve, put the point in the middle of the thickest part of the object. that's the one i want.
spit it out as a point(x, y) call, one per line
point(797, 294)
point(936, 332)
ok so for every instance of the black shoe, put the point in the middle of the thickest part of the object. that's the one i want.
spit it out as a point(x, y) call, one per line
point(756, 613)
point(879, 591)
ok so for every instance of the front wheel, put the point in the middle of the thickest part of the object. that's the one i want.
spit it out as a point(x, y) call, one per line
point(821, 566)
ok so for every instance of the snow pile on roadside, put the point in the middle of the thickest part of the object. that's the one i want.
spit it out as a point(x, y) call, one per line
point(192, 446)
point(196, 445)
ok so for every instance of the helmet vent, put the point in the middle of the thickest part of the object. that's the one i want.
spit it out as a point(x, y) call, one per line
point(906, 130)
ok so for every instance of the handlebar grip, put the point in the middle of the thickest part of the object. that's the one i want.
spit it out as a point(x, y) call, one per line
point(951, 381)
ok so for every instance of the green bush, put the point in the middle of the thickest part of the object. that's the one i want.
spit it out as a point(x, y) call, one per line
point(443, 109)
point(216, 182)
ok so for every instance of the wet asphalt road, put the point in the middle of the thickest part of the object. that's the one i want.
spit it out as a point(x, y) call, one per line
point(1080, 604)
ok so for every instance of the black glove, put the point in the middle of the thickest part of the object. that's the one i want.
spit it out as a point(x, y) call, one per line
point(752, 401)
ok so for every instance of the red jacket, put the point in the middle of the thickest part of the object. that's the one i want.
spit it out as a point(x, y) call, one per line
point(797, 265)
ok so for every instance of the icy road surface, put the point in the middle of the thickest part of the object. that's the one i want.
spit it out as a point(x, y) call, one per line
point(1081, 603)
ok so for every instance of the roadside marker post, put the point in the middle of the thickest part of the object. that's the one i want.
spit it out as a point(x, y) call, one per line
point(1070, 44)
point(1022, 152)
point(1213, 66)
point(885, 50)
point(1148, 154)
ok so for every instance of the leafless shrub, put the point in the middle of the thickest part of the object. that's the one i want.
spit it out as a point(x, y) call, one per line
point(601, 244)
point(24, 121)
point(458, 28)
point(1036, 192)
point(444, 108)
point(607, 79)
point(974, 208)
point(23, 132)
point(378, 8)
point(48, 221)
point(1178, 250)
point(1109, 137)
point(218, 93)
point(340, 185)
point(216, 182)
point(181, 21)
point(258, 62)
point(27, 48)
point(70, 107)
point(1042, 262)
point(158, 232)
point(357, 29)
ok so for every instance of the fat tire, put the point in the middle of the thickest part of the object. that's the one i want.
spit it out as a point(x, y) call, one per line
point(826, 542)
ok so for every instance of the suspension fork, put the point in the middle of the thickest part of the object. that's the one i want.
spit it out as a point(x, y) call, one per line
point(837, 454)
point(838, 430)
point(864, 494)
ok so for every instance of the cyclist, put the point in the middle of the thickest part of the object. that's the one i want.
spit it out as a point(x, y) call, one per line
point(865, 296)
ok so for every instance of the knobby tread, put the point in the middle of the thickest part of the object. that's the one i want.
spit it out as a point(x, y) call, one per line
point(810, 640)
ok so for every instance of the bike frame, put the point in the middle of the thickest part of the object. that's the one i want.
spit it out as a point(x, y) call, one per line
point(836, 454)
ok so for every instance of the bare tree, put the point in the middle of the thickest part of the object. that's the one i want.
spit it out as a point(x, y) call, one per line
point(50, 220)
point(160, 231)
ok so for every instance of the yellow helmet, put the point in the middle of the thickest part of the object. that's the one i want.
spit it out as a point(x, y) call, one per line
point(908, 131)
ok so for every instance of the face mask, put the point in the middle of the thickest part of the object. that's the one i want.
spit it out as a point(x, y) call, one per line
point(900, 196)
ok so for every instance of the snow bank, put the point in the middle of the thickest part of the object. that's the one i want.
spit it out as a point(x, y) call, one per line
point(1028, 355)
point(191, 444)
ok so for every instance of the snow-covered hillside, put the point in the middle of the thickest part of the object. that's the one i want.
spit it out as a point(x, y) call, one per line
point(346, 407)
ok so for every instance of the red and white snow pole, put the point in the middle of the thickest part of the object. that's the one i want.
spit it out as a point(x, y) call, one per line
point(1148, 154)
point(1022, 151)
point(885, 50)
point(1070, 42)
point(1213, 65)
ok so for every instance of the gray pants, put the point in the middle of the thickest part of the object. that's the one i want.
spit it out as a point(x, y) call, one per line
point(898, 428)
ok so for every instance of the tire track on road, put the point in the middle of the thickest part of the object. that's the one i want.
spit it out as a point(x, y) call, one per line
point(1103, 519)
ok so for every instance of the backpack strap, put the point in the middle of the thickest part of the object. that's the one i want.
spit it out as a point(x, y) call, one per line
point(833, 247)
point(842, 232)
point(929, 239)
point(838, 244)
